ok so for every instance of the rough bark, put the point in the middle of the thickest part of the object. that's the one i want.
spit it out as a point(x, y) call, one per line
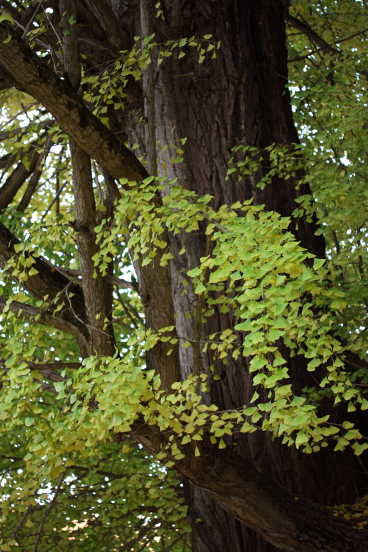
point(17, 178)
point(148, 85)
point(41, 82)
point(284, 520)
point(239, 97)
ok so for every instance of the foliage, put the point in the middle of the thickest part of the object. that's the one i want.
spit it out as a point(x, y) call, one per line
point(70, 431)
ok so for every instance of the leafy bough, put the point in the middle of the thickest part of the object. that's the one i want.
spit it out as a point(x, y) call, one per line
point(277, 292)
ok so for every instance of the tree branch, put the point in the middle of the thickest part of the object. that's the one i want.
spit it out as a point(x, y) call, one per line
point(148, 81)
point(51, 367)
point(49, 281)
point(310, 33)
point(37, 172)
point(290, 523)
point(46, 319)
point(48, 510)
point(93, 284)
point(56, 94)
point(9, 9)
point(104, 14)
point(20, 174)
point(75, 273)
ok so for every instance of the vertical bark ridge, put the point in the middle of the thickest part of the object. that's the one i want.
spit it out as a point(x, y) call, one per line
point(239, 97)
point(148, 82)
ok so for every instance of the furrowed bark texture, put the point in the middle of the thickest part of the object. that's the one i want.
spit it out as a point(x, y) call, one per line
point(41, 82)
point(148, 84)
point(286, 521)
point(240, 96)
point(101, 338)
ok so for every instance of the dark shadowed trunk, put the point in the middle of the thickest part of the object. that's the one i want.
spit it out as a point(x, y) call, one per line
point(238, 97)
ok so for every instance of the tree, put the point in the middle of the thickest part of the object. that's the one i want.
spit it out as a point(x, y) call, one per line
point(161, 134)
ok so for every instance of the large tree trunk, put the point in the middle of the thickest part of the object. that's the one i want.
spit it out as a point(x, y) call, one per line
point(239, 97)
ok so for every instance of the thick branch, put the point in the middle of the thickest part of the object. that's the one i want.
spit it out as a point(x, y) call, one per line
point(70, 43)
point(310, 33)
point(40, 81)
point(20, 174)
point(48, 282)
point(101, 342)
point(8, 8)
point(104, 14)
point(74, 273)
point(46, 369)
point(46, 319)
point(288, 522)
point(37, 172)
point(7, 160)
point(149, 84)
point(56, 366)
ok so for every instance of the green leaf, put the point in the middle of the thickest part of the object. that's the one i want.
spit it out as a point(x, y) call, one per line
point(194, 272)
point(200, 288)
point(301, 438)
point(59, 386)
point(257, 363)
point(244, 326)
point(6, 17)
point(359, 448)
point(338, 304)
point(317, 263)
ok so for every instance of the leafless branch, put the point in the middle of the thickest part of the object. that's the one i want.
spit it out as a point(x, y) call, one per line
point(35, 11)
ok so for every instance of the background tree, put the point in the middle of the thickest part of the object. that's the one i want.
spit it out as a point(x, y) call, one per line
point(231, 341)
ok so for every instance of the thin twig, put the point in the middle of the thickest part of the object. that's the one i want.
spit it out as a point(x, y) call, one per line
point(20, 524)
point(300, 58)
point(127, 307)
point(32, 18)
point(57, 195)
point(51, 25)
point(48, 510)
